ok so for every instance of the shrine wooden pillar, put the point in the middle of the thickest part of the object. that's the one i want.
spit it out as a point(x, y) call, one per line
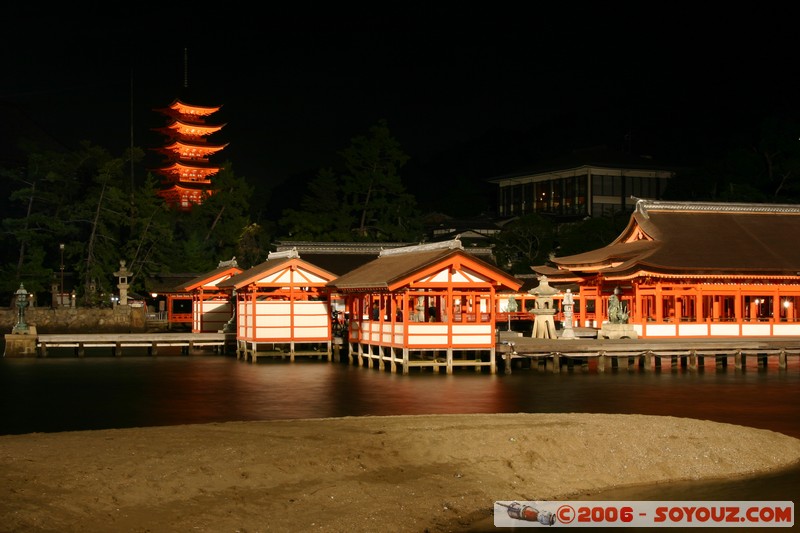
point(659, 303)
point(737, 307)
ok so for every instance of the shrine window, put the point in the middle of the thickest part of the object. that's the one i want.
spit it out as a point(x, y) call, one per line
point(788, 309)
point(649, 308)
point(668, 308)
point(758, 308)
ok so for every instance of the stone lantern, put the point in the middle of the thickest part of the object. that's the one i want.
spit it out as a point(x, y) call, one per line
point(568, 303)
point(22, 302)
point(21, 342)
point(544, 326)
point(123, 285)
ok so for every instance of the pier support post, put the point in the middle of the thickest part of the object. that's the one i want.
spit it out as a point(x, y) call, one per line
point(782, 359)
point(656, 361)
point(449, 360)
point(693, 360)
point(601, 362)
point(556, 363)
point(352, 354)
point(738, 359)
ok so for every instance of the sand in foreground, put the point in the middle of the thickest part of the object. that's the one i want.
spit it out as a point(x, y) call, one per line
point(399, 473)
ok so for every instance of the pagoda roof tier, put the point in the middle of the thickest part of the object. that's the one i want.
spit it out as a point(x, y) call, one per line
point(188, 172)
point(184, 197)
point(178, 107)
point(185, 180)
point(189, 187)
point(187, 129)
point(191, 150)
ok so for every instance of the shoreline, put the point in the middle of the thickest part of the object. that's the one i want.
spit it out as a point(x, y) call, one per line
point(416, 472)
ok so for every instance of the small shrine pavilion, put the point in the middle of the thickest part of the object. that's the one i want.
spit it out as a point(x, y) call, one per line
point(188, 171)
point(212, 307)
point(694, 269)
point(282, 308)
point(430, 305)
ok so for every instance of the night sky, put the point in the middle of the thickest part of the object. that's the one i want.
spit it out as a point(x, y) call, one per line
point(477, 91)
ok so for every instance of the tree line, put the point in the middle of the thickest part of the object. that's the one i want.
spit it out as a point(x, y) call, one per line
point(103, 210)
point(89, 200)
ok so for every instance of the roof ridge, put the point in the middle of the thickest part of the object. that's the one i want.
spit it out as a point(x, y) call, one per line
point(444, 245)
point(285, 254)
point(643, 205)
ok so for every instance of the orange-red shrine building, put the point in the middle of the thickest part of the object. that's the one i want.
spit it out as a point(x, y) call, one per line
point(188, 172)
point(687, 269)
point(429, 305)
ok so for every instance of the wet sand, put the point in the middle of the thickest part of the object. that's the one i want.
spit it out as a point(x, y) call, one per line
point(430, 473)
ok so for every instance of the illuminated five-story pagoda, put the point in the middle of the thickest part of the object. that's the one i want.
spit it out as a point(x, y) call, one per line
point(188, 171)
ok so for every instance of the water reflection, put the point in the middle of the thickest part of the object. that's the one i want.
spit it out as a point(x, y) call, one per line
point(68, 393)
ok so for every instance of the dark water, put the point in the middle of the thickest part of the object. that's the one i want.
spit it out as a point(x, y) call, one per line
point(68, 393)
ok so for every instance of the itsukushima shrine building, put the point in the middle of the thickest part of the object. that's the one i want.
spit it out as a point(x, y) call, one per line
point(212, 307)
point(683, 270)
point(689, 269)
point(431, 305)
point(282, 302)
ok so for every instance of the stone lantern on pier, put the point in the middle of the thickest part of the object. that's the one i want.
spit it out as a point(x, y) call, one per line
point(568, 303)
point(21, 342)
point(544, 327)
point(21, 326)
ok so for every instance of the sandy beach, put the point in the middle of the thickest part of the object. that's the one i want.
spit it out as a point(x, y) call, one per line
point(401, 473)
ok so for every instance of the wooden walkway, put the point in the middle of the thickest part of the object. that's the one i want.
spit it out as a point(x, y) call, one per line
point(222, 342)
point(647, 353)
point(552, 354)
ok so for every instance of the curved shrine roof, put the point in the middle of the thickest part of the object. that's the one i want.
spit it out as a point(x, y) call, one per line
point(276, 262)
point(398, 266)
point(701, 239)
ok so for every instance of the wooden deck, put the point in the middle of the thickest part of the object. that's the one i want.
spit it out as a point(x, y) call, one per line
point(117, 342)
point(550, 354)
point(647, 353)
